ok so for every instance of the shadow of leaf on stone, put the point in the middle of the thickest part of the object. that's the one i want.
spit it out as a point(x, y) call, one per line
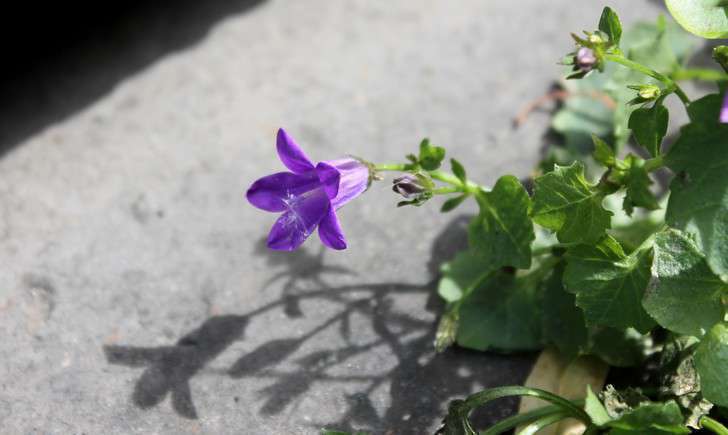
point(170, 368)
point(363, 323)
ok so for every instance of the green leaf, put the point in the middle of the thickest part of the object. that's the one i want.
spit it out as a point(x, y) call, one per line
point(566, 203)
point(711, 360)
point(609, 24)
point(684, 296)
point(563, 321)
point(461, 275)
point(593, 406)
point(649, 126)
point(458, 170)
point(637, 183)
point(609, 285)
point(618, 347)
point(704, 18)
point(603, 153)
point(698, 200)
point(503, 313)
point(706, 110)
point(452, 203)
point(651, 418)
point(502, 233)
point(430, 156)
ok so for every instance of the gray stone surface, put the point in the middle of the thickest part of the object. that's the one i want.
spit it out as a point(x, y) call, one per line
point(136, 295)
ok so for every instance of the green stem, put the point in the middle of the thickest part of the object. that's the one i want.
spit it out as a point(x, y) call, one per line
point(398, 167)
point(448, 178)
point(446, 190)
point(654, 163)
point(669, 83)
point(483, 397)
point(445, 177)
point(712, 425)
point(519, 419)
point(704, 74)
point(542, 423)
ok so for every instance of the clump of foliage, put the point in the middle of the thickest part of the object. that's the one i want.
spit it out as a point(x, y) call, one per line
point(595, 259)
point(612, 267)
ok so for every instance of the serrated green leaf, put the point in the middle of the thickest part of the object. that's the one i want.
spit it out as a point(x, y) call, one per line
point(460, 275)
point(502, 233)
point(458, 170)
point(651, 418)
point(684, 295)
point(609, 24)
point(711, 360)
point(698, 200)
point(566, 203)
point(637, 184)
point(594, 407)
point(503, 313)
point(649, 126)
point(609, 285)
point(452, 203)
point(430, 156)
point(603, 153)
point(704, 18)
point(563, 321)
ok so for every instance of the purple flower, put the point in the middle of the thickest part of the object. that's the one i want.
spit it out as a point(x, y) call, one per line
point(585, 59)
point(724, 110)
point(408, 186)
point(308, 196)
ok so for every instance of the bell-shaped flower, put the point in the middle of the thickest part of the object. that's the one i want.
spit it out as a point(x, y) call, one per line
point(724, 110)
point(308, 196)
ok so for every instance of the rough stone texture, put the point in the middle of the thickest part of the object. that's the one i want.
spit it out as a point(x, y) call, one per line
point(136, 295)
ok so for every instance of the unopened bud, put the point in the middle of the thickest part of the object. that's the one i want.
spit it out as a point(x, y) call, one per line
point(409, 186)
point(585, 59)
point(645, 93)
point(720, 54)
point(595, 39)
point(649, 92)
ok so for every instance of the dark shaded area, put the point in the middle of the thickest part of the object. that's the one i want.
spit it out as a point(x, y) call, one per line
point(420, 383)
point(58, 57)
point(169, 369)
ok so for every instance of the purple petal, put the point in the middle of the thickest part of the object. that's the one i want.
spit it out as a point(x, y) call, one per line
point(329, 177)
point(330, 231)
point(354, 180)
point(724, 110)
point(296, 224)
point(274, 192)
point(291, 154)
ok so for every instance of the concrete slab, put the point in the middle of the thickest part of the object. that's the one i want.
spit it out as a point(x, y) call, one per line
point(136, 295)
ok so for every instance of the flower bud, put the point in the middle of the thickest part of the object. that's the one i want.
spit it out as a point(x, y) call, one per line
point(649, 92)
point(645, 93)
point(409, 186)
point(720, 55)
point(595, 39)
point(585, 59)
